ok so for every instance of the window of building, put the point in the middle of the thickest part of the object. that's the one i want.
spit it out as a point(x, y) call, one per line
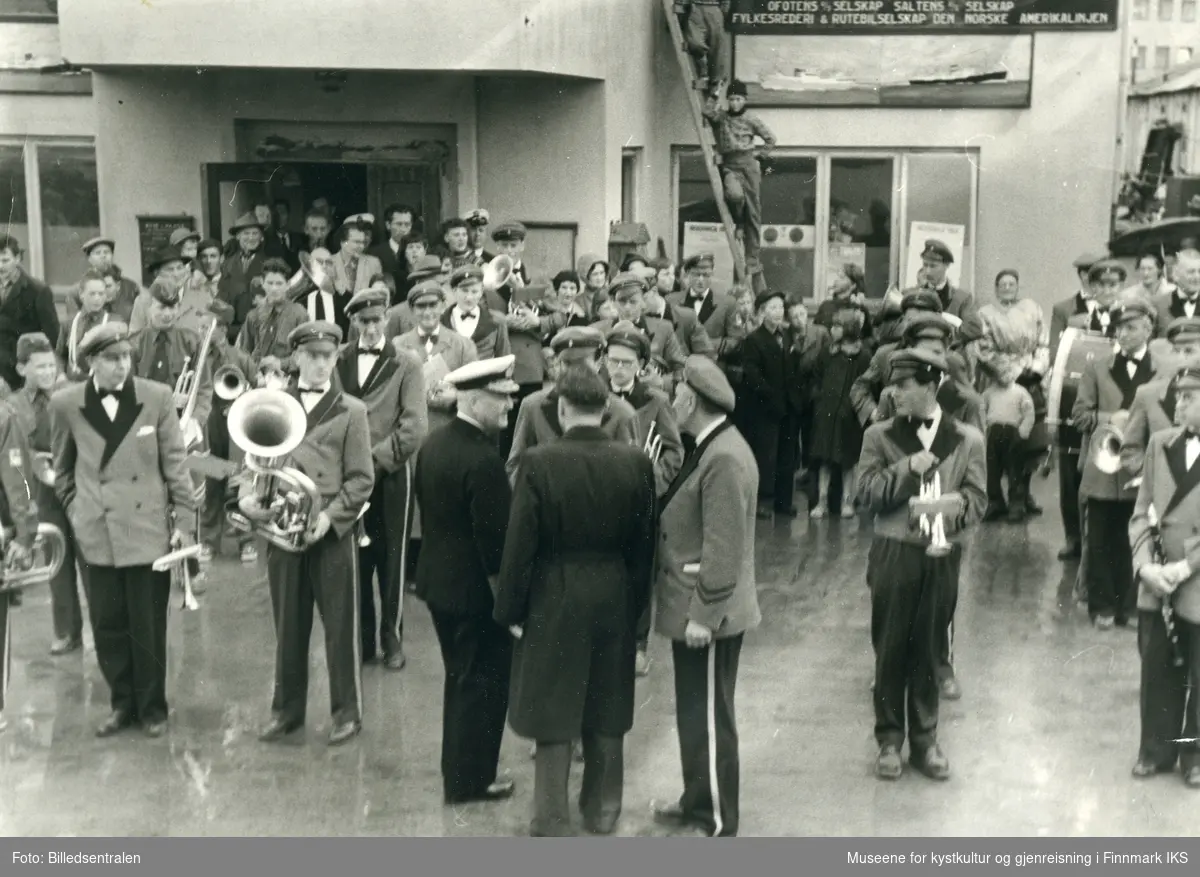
point(630, 159)
point(1162, 57)
point(1187, 10)
point(1141, 10)
point(1166, 8)
point(29, 10)
point(1140, 57)
point(1183, 54)
point(50, 203)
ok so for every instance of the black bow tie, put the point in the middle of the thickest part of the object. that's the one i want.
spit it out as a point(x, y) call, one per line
point(371, 351)
point(918, 422)
point(1131, 360)
point(468, 315)
point(624, 394)
point(314, 391)
point(432, 336)
point(103, 394)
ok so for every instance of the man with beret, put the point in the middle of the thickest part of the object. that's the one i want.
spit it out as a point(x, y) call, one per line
point(473, 319)
point(537, 418)
point(336, 455)
point(936, 259)
point(706, 597)
point(1155, 403)
point(716, 311)
point(1105, 396)
point(439, 350)
point(245, 264)
point(400, 316)
point(99, 253)
point(476, 225)
point(913, 593)
point(265, 333)
point(464, 498)
point(389, 382)
point(627, 292)
point(352, 267)
point(1167, 565)
point(119, 473)
point(26, 305)
point(1182, 301)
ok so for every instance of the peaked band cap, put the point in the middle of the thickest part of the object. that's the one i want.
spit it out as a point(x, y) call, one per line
point(367, 300)
point(916, 363)
point(104, 337)
point(493, 375)
point(577, 338)
point(315, 331)
point(708, 381)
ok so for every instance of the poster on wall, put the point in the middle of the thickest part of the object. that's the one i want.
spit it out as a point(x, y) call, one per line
point(843, 254)
point(709, 237)
point(953, 236)
point(891, 71)
point(154, 234)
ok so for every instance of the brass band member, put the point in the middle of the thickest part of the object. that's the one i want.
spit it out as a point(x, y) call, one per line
point(1155, 403)
point(336, 455)
point(390, 384)
point(1106, 393)
point(912, 593)
point(440, 350)
point(36, 363)
point(572, 593)
point(1166, 557)
point(627, 293)
point(18, 515)
point(93, 311)
point(266, 330)
point(119, 473)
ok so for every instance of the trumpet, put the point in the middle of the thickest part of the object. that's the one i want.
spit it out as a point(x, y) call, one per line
point(268, 425)
point(45, 559)
point(654, 444)
point(229, 382)
point(931, 507)
point(360, 525)
point(1108, 439)
point(180, 562)
point(188, 388)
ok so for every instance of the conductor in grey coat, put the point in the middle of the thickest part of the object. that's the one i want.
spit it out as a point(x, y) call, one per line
point(575, 578)
point(706, 595)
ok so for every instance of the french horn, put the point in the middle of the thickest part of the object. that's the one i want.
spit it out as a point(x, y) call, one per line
point(267, 425)
point(46, 559)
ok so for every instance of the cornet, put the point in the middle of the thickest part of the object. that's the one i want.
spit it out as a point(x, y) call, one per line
point(229, 383)
point(497, 272)
point(1107, 440)
point(180, 563)
point(46, 559)
point(654, 444)
point(931, 509)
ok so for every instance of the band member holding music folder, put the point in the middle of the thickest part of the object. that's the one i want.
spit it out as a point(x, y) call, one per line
point(390, 383)
point(914, 586)
point(119, 473)
point(1154, 404)
point(1106, 393)
point(1166, 558)
point(336, 455)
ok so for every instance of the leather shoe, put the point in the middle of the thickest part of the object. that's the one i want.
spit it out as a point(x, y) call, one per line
point(497, 791)
point(994, 512)
point(932, 762)
point(1191, 777)
point(277, 730)
point(1071, 552)
point(395, 662)
point(888, 765)
point(155, 729)
point(1032, 508)
point(344, 733)
point(674, 816)
point(114, 724)
point(950, 689)
point(1144, 769)
point(65, 646)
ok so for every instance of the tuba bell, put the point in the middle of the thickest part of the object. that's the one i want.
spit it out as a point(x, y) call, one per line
point(49, 550)
point(497, 272)
point(267, 425)
point(1107, 441)
point(229, 383)
point(309, 278)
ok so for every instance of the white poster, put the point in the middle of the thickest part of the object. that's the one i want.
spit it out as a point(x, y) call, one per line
point(709, 237)
point(953, 236)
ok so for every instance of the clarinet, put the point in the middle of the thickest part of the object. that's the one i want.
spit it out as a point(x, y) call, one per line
point(1168, 606)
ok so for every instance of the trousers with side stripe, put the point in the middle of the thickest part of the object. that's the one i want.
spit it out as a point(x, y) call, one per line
point(705, 682)
point(388, 523)
point(324, 576)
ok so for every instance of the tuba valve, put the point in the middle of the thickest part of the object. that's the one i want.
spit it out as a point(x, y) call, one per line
point(45, 559)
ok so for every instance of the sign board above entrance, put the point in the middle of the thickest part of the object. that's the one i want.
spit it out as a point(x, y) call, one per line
point(760, 17)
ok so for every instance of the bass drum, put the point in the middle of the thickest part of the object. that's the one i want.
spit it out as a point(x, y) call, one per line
point(1076, 349)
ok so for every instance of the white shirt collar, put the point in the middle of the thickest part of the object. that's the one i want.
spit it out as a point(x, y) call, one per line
point(471, 420)
point(625, 389)
point(710, 429)
point(1140, 353)
point(116, 389)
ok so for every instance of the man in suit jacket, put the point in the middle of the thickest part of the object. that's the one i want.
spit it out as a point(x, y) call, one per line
point(1167, 511)
point(119, 474)
point(1106, 393)
point(336, 455)
point(573, 663)
point(1185, 300)
point(398, 221)
point(26, 305)
point(400, 316)
point(464, 498)
point(913, 594)
point(19, 516)
point(244, 266)
point(390, 384)
point(485, 327)
point(936, 259)
point(716, 311)
point(706, 596)
point(537, 419)
point(1154, 404)
point(352, 268)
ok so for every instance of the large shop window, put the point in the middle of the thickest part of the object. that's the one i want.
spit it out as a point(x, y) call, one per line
point(822, 210)
point(50, 203)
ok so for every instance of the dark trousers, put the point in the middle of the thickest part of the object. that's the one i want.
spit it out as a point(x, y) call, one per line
point(599, 796)
point(477, 654)
point(1005, 459)
point(704, 32)
point(388, 523)
point(642, 631)
point(5, 650)
point(774, 446)
point(128, 609)
point(325, 575)
point(910, 622)
point(506, 438)
point(1167, 712)
point(741, 175)
point(705, 683)
point(1069, 501)
point(1110, 587)
point(217, 492)
point(64, 586)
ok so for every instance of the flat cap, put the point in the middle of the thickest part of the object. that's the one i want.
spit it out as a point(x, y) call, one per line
point(163, 257)
point(766, 295)
point(313, 332)
point(509, 231)
point(31, 343)
point(628, 335)
point(577, 338)
point(91, 244)
point(223, 311)
point(1107, 269)
point(1187, 378)
point(426, 267)
point(1134, 309)
point(926, 324)
point(626, 284)
point(360, 219)
point(1183, 329)
point(912, 362)
point(164, 293)
point(181, 234)
point(493, 375)
point(921, 300)
point(367, 301)
point(708, 381)
point(426, 289)
point(104, 337)
point(1087, 260)
point(699, 259)
point(477, 217)
point(935, 249)
point(246, 220)
point(466, 274)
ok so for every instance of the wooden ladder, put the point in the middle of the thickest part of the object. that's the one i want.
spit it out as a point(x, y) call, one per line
point(707, 141)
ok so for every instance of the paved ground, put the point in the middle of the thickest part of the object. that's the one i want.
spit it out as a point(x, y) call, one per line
point(1041, 743)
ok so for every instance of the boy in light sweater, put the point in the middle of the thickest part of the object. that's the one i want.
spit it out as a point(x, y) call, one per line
point(1008, 413)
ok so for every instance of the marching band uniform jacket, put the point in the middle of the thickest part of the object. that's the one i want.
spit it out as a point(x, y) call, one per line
point(708, 518)
point(718, 315)
point(652, 410)
point(692, 335)
point(1105, 389)
point(119, 479)
point(1151, 412)
point(394, 396)
point(664, 344)
point(886, 483)
point(538, 424)
point(182, 344)
point(490, 336)
point(1168, 307)
point(1170, 486)
point(455, 350)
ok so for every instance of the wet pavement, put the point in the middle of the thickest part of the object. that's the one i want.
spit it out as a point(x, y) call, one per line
point(1041, 743)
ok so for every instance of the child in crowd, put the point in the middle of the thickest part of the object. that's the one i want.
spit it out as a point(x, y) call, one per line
point(94, 301)
point(1008, 412)
point(837, 432)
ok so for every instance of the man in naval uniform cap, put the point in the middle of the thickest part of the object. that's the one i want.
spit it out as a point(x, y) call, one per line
point(464, 497)
point(477, 222)
point(936, 259)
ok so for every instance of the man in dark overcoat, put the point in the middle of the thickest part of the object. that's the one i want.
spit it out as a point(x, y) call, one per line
point(464, 497)
point(574, 582)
